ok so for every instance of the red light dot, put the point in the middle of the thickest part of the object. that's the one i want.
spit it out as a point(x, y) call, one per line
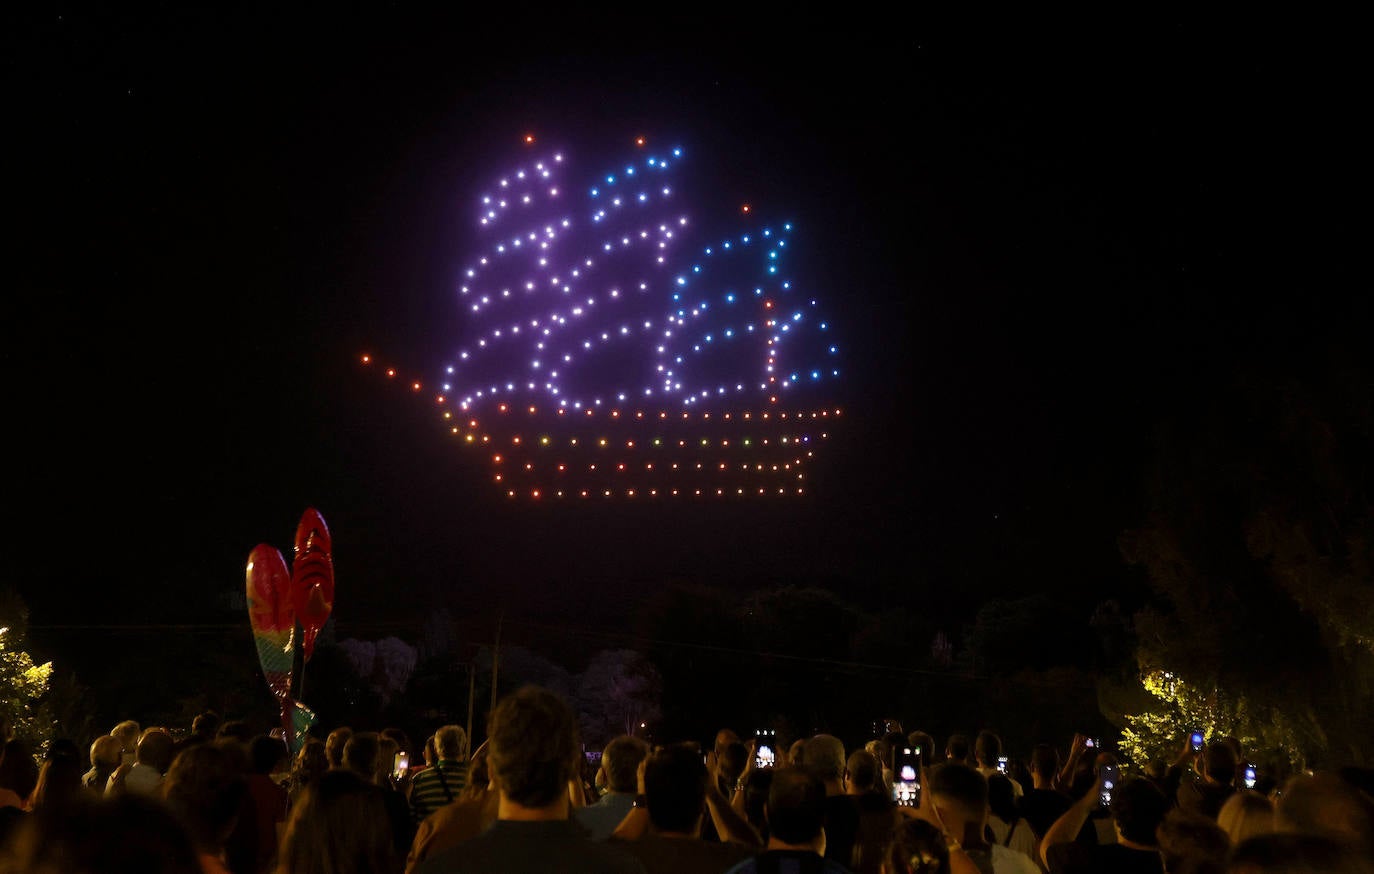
point(745, 209)
point(639, 141)
point(390, 372)
point(529, 139)
point(415, 386)
point(367, 359)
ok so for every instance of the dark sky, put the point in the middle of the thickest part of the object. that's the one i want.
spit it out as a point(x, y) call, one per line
point(1038, 243)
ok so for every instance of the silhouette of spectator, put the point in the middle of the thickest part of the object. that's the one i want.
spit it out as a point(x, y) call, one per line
point(334, 745)
point(917, 847)
point(444, 781)
point(620, 760)
point(206, 789)
point(96, 835)
point(1246, 815)
point(340, 826)
point(533, 754)
point(105, 758)
point(796, 819)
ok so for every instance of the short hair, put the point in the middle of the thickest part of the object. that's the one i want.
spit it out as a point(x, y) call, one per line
point(105, 751)
point(733, 760)
point(266, 752)
point(796, 806)
point(360, 754)
point(1138, 808)
point(128, 732)
point(205, 788)
point(917, 847)
point(334, 745)
point(987, 748)
point(235, 729)
point(1246, 815)
point(620, 760)
point(205, 724)
point(1288, 853)
point(1324, 804)
point(796, 754)
point(957, 747)
point(1045, 760)
point(1219, 761)
point(863, 770)
point(1192, 842)
point(382, 765)
point(824, 756)
point(963, 787)
point(155, 749)
point(450, 741)
point(924, 741)
point(532, 746)
point(675, 783)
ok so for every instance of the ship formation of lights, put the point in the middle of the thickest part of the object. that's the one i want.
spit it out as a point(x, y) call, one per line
point(612, 348)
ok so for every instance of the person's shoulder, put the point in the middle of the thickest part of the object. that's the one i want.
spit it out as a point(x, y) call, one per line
point(1008, 861)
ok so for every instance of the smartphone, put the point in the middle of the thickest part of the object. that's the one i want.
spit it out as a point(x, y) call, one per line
point(764, 754)
point(906, 778)
point(1251, 776)
point(1091, 743)
point(1110, 776)
point(1197, 741)
point(593, 758)
point(400, 765)
point(1001, 764)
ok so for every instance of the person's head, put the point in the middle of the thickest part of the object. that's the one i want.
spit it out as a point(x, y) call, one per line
point(1246, 815)
point(334, 745)
point(1190, 843)
point(385, 763)
point(675, 783)
point(620, 760)
point(724, 738)
point(1138, 807)
point(1219, 763)
point(923, 741)
point(1002, 798)
point(532, 747)
point(127, 733)
point(960, 795)
point(1044, 762)
point(311, 761)
point(155, 749)
point(360, 754)
point(796, 807)
point(917, 847)
point(987, 748)
point(824, 757)
point(756, 787)
point(1292, 853)
point(862, 773)
point(340, 824)
point(796, 754)
point(451, 743)
point(956, 748)
point(105, 753)
point(94, 835)
point(431, 750)
point(236, 730)
point(1324, 804)
point(402, 740)
point(205, 789)
point(206, 725)
point(732, 761)
point(266, 754)
point(59, 781)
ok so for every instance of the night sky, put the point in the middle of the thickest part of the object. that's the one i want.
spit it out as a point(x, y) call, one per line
point(1036, 246)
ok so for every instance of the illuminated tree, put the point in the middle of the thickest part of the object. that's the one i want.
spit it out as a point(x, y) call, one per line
point(23, 683)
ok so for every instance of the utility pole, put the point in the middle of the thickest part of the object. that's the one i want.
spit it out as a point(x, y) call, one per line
point(496, 657)
point(472, 692)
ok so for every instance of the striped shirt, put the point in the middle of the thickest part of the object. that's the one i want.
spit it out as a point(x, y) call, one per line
point(427, 789)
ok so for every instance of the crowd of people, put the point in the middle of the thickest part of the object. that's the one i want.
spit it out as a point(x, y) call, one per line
point(531, 798)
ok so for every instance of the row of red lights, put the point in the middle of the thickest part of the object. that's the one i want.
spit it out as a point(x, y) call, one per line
point(654, 493)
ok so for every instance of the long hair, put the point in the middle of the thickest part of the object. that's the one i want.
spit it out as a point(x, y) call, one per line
point(340, 826)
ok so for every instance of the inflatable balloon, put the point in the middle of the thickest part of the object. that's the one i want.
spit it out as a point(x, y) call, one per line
point(271, 615)
point(312, 577)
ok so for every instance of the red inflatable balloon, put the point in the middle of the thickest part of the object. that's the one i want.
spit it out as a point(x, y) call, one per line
point(312, 577)
point(271, 614)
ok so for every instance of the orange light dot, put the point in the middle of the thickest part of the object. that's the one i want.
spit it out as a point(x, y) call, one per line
point(745, 209)
point(529, 139)
point(415, 386)
point(367, 359)
point(639, 141)
point(390, 372)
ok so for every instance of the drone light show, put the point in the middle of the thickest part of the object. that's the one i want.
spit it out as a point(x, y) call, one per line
point(614, 347)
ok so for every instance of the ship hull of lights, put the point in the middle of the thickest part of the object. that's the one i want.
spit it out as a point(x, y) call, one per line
point(613, 348)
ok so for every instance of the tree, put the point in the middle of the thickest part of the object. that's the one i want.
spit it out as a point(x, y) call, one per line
point(24, 684)
point(1259, 547)
point(618, 693)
